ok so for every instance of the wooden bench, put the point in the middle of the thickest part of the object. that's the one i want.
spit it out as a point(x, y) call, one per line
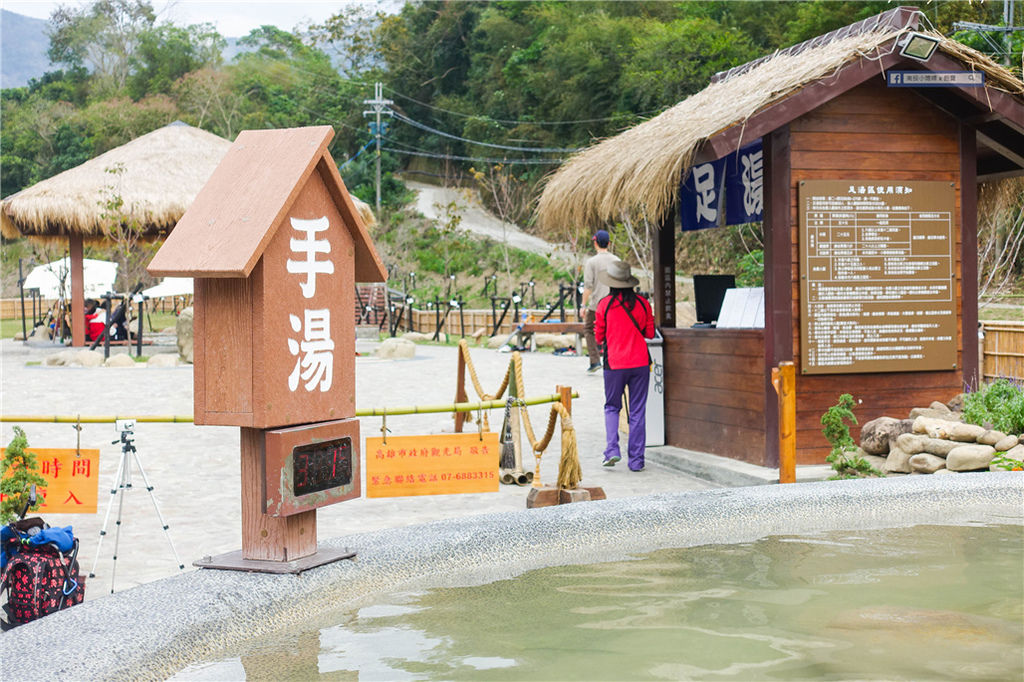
point(526, 334)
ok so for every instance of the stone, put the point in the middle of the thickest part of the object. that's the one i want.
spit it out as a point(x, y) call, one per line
point(1016, 452)
point(876, 434)
point(1005, 444)
point(941, 407)
point(930, 413)
point(554, 340)
point(939, 447)
point(183, 330)
point(163, 360)
point(686, 314)
point(965, 433)
point(89, 358)
point(61, 359)
point(957, 403)
point(877, 461)
point(19, 336)
point(911, 443)
point(496, 341)
point(927, 464)
point(970, 457)
point(991, 437)
point(421, 337)
point(897, 462)
point(120, 360)
point(396, 348)
point(944, 470)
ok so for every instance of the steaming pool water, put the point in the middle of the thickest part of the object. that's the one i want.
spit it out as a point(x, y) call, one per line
point(917, 603)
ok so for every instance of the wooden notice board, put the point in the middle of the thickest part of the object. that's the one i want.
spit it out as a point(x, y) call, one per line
point(877, 276)
point(432, 465)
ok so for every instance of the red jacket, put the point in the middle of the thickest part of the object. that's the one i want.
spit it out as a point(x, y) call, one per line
point(626, 347)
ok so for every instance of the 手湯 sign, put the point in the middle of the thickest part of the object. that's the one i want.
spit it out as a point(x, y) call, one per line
point(432, 465)
point(877, 289)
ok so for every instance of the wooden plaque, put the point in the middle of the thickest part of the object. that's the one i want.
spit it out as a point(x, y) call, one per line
point(441, 464)
point(877, 276)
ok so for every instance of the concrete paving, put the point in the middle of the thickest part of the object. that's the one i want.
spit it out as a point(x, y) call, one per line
point(194, 470)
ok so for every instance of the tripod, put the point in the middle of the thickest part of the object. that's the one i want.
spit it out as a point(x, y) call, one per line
point(123, 482)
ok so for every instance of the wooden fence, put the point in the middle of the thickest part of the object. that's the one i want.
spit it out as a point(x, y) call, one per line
point(1002, 349)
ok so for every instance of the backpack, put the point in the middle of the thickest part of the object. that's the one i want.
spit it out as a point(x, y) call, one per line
point(39, 580)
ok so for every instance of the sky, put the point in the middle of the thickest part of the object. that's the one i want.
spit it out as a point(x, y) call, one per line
point(231, 18)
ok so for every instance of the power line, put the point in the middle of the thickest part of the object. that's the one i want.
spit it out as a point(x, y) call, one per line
point(435, 131)
point(521, 122)
point(450, 157)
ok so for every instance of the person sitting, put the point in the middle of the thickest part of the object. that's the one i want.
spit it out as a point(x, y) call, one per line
point(95, 320)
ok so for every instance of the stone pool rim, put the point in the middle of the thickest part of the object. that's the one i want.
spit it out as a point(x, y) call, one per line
point(157, 629)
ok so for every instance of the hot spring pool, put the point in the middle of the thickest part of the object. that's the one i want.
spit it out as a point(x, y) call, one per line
point(915, 578)
point(921, 603)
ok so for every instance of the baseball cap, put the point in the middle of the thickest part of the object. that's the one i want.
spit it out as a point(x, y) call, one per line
point(601, 237)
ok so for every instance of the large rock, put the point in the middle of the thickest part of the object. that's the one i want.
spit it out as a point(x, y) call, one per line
point(396, 348)
point(897, 462)
point(61, 359)
point(89, 358)
point(119, 360)
point(1005, 444)
point(933, 413)
point(876, 434)
point(940, 447)
point(927, 464)
point(991, 437)
point(912, 443)
point(554, 340)
point(421, 337)
point(183, 328)
point(965, 433)
point(877, 461)
point(163, 360)
point(970, 457)
point(1016, 452)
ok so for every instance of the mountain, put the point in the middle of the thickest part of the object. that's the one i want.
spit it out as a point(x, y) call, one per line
point(23, 46)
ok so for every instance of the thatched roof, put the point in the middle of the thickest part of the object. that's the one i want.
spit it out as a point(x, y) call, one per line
point(638, 172)
point(158, 175)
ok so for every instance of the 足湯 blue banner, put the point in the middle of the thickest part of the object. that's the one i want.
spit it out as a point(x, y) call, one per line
point(728, 191)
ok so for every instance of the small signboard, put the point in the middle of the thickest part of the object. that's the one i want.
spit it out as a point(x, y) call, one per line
point(72, 480)
point(935, 79)
point(443, 464)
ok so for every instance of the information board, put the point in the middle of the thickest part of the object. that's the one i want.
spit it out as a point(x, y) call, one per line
point(72, 480)
point(877, 275)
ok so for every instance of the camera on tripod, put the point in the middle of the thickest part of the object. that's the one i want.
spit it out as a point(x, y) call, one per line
point(125, 427)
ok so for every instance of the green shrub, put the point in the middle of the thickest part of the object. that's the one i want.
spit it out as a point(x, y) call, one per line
point(23, 469)
point(837, 433)
point(998, 405)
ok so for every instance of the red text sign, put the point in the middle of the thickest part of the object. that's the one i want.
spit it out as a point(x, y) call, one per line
point(443, 464)
point(72, 480)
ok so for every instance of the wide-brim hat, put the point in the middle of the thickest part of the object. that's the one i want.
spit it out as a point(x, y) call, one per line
point(618, 276)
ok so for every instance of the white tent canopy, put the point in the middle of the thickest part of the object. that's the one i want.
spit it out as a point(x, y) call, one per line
point(51, 278)
point(170, 286)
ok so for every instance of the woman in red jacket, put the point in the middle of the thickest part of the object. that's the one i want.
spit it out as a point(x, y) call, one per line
point(622, 323)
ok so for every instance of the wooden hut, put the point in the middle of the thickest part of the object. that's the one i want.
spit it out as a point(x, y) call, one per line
point(829, 124)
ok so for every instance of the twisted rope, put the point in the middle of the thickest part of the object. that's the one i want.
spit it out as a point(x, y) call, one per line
point(464, 350)
point(569, 472)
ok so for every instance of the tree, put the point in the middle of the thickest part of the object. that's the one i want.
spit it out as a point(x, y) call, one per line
point(165, 53)
point(102, 36)
point(132, 249)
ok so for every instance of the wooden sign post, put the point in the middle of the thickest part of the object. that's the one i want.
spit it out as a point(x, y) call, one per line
point(276, 246)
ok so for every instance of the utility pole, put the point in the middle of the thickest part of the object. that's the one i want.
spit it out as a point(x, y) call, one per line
point(1007, 29)
point(379, 106)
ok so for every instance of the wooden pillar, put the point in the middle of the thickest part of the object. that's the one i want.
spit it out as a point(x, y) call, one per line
point(460, 391)
point(665, 271)
point(969, 256)
point(778, 277)
point(269, 538)
point(77, 310)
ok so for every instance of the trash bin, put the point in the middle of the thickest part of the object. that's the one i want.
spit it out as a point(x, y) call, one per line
point(655, 412)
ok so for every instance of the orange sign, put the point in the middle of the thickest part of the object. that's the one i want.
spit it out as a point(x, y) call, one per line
point(72, 480)
point(443, 464)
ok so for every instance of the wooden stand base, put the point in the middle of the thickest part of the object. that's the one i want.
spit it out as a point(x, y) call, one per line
point(233, 561)
point(549, 496)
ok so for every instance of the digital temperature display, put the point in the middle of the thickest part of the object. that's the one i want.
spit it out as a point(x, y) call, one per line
point(321, 466)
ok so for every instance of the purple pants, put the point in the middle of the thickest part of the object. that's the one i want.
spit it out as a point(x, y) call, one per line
point(615, 381)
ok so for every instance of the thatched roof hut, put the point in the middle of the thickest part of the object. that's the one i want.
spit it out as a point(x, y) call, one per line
point(157, 175)
point(638, 172)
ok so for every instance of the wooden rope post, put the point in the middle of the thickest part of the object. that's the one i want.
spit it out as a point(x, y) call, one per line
point(784, 381)
point(566, 395)
point(460, 390)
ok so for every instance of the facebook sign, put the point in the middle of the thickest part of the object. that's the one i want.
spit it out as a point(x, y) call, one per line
point(728, 191)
